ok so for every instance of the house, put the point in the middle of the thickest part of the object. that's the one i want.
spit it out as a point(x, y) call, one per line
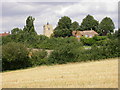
point(48, 30)
point(86, 33)
point(4, 34)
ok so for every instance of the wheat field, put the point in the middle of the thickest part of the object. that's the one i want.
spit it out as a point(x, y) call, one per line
point(95, 74)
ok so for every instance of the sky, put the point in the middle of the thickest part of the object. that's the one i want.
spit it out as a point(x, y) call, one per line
point(15, 12)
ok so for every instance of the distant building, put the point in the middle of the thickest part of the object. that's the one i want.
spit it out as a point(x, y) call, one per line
point(4, 34)
point(48, 30)
point(86, 33)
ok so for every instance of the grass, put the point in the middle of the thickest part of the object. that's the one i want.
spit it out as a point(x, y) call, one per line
point(97, 74)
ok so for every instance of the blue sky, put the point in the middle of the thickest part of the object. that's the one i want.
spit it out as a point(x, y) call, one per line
point(14, 13)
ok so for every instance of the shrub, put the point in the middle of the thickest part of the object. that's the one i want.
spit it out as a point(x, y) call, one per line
point(6, 39)
point(98, 38)
point(108, 49)
point(38, 57)
point(54, 43)
point(64, 54)
point(95, 40)
point(112, 48)
point(15, 56)
point(87, 41)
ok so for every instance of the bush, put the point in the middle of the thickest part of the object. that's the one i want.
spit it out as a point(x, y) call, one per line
point(95, 40)
point(64, 54)
point(108, 49)
point(87, 41)
point(6, 39)
point(15, 56)
point(112, 48)
point(98, 38)
point(54, 43)
point(38, 57)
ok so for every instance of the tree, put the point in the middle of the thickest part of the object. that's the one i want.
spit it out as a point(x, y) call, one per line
point(63, 27)
point(64, 22)
point(89, 23)
point(118, 33)
point(16, 31)
point(30, 25)
point(29, 33)
point(106, 26)
point(75, 25)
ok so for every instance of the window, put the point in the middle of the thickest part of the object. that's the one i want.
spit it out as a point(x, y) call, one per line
point(48, 28)
point(90, 36)
point(86, 35)
point(78, 36)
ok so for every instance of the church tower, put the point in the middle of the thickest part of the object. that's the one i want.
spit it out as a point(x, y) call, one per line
point(48, 30)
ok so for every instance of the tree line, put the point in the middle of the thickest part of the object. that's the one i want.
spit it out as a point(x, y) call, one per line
point(65, 26)
point(16, 55)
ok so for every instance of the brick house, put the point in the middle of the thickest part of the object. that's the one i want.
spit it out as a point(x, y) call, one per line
point(86, 33)
point(4, 34)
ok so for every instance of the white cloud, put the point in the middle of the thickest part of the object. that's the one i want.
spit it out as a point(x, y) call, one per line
point(15, 13)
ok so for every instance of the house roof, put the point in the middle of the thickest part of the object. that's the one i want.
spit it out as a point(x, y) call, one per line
point(89, 32)
point(4, 34)
point(86, 32)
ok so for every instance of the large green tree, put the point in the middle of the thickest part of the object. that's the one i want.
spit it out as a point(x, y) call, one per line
point(75, 25)
point(63, 28)
point(106, 26)
point(89, 23)
point(29, 33)
point(30, 25)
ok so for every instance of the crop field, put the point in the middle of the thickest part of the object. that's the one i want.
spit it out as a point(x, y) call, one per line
point(94, 74)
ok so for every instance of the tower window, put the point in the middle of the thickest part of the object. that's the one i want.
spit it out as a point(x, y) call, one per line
point(48, 28)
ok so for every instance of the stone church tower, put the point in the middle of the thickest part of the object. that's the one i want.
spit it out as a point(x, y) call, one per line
point(48, 30)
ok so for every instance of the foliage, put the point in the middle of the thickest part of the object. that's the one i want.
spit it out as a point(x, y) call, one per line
point(106, 26)
point(38, 57)
point(7, 39)
point(65, 47)
point(16, 31)
point(89, 23)
point(75, 25)
point(63, 27)
point(64, 54)
point(114, 35)
point(109, 49)
point(29, 28)
point(64, 22)
point(76, 53)
point(15, 56)
point(87, 41)
point(63, 32)
point(98, 40)
point(54, 43)
point(28, 35)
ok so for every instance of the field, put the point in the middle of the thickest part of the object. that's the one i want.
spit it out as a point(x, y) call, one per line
point(95, 74)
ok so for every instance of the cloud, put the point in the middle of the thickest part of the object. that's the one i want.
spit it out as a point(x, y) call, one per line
point(15, 13)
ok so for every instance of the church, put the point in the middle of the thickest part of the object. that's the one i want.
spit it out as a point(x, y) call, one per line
point(47, 30)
